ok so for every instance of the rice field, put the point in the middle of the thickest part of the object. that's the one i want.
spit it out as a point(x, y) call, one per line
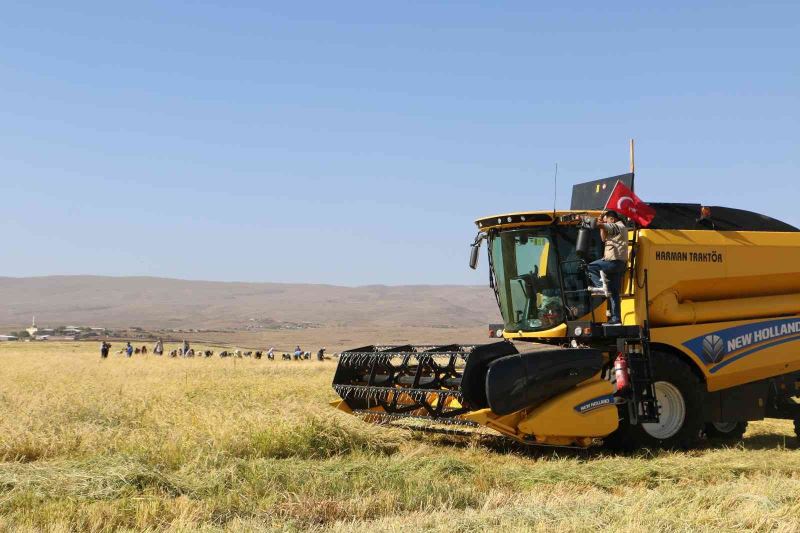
point(159, 444)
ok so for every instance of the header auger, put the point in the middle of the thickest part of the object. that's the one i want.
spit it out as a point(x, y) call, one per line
point(709, 337)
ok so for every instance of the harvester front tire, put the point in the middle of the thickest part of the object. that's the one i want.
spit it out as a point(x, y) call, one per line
point(681, 391)
point(731, 432)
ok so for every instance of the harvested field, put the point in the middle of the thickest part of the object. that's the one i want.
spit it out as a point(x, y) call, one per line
point(210, 444)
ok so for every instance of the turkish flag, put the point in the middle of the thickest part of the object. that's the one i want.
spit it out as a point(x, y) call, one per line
point(624, 202)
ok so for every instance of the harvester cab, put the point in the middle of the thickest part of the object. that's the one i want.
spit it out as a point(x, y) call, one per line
point(538, 263)
point(667, 375)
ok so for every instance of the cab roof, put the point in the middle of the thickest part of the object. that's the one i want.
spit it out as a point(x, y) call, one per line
point(526, 218)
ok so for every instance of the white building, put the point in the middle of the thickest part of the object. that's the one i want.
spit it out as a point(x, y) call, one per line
point(33, 330)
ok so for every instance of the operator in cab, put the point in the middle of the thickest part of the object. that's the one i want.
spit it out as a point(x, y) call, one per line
point(614, 235)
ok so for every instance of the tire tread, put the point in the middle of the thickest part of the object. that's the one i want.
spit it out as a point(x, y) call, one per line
point(666, 367)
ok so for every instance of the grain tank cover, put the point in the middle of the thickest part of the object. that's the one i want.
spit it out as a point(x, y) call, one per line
point(593, 195)
point(687, 217)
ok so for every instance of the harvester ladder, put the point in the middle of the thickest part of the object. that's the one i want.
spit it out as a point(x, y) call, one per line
point(642, 405)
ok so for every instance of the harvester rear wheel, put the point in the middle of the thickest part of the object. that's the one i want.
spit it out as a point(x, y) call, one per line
point(726, 430)
point(680, 395)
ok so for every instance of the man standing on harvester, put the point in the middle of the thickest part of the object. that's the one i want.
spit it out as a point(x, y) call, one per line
point(614, 235)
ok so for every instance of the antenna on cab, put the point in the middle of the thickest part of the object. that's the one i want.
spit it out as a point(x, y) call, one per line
point(555, 191)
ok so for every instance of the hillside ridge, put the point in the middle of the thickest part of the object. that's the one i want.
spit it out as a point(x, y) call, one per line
point(154, 302)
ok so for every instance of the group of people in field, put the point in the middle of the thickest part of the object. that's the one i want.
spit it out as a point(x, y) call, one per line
point(187, 351)
point(127, 350)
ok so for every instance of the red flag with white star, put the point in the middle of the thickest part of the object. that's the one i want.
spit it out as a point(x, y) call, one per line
point(624, 202)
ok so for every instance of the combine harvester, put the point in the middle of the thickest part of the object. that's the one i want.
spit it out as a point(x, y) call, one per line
point(710, 334)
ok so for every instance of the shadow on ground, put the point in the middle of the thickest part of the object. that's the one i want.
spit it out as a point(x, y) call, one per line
point(502, 445)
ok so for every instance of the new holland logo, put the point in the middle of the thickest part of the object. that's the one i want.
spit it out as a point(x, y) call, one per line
point(714, 348)
point(595, 403)
point(723, 347)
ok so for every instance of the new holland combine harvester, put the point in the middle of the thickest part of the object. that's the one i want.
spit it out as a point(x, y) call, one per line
point(710, 334)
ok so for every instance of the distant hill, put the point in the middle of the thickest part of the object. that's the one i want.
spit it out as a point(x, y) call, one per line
point(170, 303)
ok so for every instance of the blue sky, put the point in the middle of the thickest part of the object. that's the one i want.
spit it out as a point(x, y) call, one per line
point(355, 142)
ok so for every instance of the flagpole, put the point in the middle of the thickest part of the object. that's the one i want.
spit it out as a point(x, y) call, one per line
point(632, 269)
point(633, 168)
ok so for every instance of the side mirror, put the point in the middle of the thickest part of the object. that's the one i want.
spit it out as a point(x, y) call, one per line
point(475, 249)
point(473, 256)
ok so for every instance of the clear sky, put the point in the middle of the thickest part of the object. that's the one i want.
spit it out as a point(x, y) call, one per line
point(355, 142)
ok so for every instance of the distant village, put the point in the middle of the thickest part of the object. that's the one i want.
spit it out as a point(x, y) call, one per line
point(61, 333)
point(77, 333)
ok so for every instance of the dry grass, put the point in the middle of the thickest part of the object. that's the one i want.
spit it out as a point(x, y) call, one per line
point(166, 444)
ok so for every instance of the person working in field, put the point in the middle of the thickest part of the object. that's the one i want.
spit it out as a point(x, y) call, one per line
point(128, 349)
point(614, 234)
point(159, 348)
point(104, 348)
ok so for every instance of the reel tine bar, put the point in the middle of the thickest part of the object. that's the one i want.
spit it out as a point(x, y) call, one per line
point(403, 380)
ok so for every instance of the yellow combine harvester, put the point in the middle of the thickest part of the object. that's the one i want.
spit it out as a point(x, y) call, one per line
point(710, 334)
